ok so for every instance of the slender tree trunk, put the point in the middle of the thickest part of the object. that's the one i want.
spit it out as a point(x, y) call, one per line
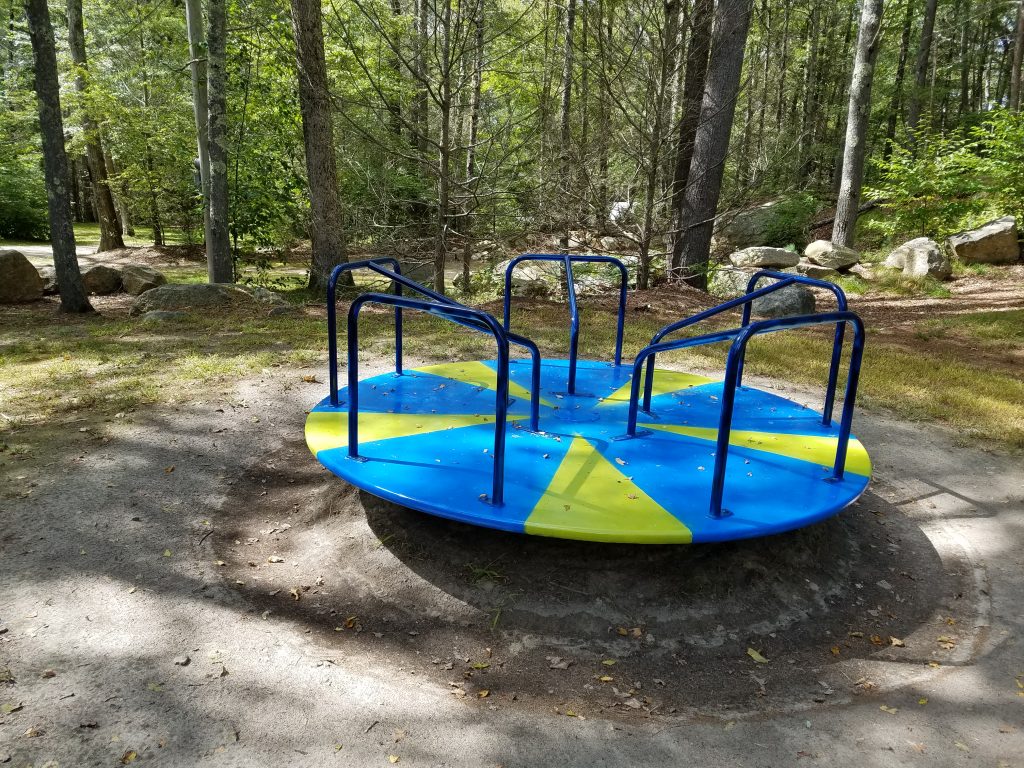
point(711, 145)
point(868, 40)
point(1018, 59)
point(55, 160)
point(924, 50)
point(123, 214)
point(218, 248)
point(805, 147)
point(420, 105)
point(663, 86)
point(701, 17)
point(200, 105)
point(965, 56)
point(895, 105)
point(110, 227)
point(318, 134)
point(604, 28)
point(564, 155)
point(444, 155)
point(474, 135)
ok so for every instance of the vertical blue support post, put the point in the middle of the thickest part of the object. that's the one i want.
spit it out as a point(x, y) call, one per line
point(732, 371)
point(846, 422)
point(332, 338)
point(574, 324)
point(353, 380)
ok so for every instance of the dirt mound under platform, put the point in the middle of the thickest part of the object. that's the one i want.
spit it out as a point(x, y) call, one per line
point(846, 608)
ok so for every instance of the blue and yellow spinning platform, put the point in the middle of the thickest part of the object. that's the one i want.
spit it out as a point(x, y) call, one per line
point(591, 450)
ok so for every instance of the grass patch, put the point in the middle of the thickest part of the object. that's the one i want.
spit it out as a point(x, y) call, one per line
point(52, 367)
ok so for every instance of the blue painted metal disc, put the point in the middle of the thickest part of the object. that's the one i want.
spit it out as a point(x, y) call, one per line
point(427, 439)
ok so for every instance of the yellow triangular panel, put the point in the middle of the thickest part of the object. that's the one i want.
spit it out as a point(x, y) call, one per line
point(664, 382)
point(477, 374)
point(589, 498)
point(812, 448)
point(329, 429)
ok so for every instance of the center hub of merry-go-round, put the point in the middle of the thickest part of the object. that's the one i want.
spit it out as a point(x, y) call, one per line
point(592, 450)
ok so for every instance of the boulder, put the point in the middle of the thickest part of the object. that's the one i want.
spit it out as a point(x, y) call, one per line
point(991, 243)
point(138, 278)
point(920, 257)
point(163, 316)
point(531, 278)
point(19, 280)
point(827, 254)
point(746, 228)
point(763, 256)
point(863, 271)
point(810, 269)
point(728, 283)
point(49, 275)
point(176, 298)
point(101, 280)
point(791, 300)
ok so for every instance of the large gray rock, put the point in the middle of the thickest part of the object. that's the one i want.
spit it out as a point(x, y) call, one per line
point(863, 271)
point(139, 278)
point(19, 280)
point(746, 228)
point(810, 269)
point(791, 300)
point(49, 276)
point(827, 254)
point(992, 243)
point(531, 278)
point(920, 257)
point(727, 283)
point(176, 298)
point(764, 256)
point(101, 280)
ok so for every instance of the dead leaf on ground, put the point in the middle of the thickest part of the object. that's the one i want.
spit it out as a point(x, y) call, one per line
point(609, 662)
point(168, 553)
point(129, 756)
point(834, 650)
point(756, 656)
point(483, 693)
point(393, 759)
point(917, 746)
point(34, 732)
point(310, 379)
point(890, 710)
point(275, 559)
point(10, 707)
point(557, 662)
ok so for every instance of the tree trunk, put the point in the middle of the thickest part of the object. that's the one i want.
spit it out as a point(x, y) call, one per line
point(693, 91)
point(420, 63)
point(444, 155)
point(1018, 59)
point(318, 134)
point(218, 247)
point(924, 50)
point(200, 104)
point(55, 160)
point(123, 214)
point(654, 153)
point(110, 227)
point(805, 146)
point(564, 155)
point(474, 134)
point(868, 40)
point(895, 105)
point(711, 144)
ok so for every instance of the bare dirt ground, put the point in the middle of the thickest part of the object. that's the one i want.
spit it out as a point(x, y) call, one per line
point(185, 586)
point(144, 615)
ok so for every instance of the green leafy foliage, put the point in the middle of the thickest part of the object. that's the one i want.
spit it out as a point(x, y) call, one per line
point(945, 183)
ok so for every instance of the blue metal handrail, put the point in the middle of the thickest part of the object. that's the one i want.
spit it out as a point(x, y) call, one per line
point(398, 279)
point(737, 350)
point(746, 301)
point(449, 312)
point(574, 315)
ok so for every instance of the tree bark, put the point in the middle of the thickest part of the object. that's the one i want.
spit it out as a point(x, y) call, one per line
point(564, 155)
point(896, 104)
point(474, 134)
point(55, 160)
point(110, 227)
point(444, 154)
point(1018, 59)
point(318, 134)
point(711, 144)
point(924, 50)
point(200, 104)
point(693, 91)
point(854, 152)
point(218, 248)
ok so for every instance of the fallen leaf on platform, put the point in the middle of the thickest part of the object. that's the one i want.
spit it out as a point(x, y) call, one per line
point(620, 462)
point(757, 657)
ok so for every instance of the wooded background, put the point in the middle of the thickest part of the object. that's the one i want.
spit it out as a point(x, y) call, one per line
point(447, 122)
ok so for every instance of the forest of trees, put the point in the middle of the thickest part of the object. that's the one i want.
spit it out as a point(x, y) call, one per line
point(362, 123)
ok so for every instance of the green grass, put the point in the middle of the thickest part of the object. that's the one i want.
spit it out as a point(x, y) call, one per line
point(88, 233)
point(55, 367)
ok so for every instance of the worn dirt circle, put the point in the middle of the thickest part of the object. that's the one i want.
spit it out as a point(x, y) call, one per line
point(849, 607)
